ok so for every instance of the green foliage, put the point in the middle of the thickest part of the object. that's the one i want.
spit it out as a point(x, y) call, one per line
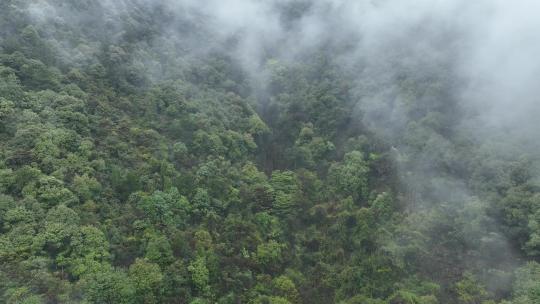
point(134, 170)
point(350, 178)
point(286, 191)
point(469, 291)
point(199, 274)
point(158, 250)
point(108, 286)
point(22, 295)
point(165, 208)
point(147, 280)
point(286, 288)
point(527, 286)
point(269, 254)
point(50, 191)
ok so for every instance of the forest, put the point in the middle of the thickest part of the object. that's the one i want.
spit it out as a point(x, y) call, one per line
point(269, 152)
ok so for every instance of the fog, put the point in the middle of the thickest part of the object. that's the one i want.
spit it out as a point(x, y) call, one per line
point(481, 57)
point(490, 47)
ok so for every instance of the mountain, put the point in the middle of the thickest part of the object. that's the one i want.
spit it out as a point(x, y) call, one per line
point(284, 151)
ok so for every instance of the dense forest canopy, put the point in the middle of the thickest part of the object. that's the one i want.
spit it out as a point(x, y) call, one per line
point(280, 151)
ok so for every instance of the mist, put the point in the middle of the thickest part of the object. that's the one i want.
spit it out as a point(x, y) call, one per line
point(489, 47)
point(484, 52)
point(448, 88)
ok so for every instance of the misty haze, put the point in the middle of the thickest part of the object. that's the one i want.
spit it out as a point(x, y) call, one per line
point(270, 151)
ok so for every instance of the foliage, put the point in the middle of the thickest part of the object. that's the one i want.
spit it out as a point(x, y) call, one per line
point(135, 171)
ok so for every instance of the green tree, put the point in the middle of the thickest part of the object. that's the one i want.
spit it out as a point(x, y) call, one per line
point(286, 189)
point(526, 288)
point(351, 176)
point(200, 275)
point(469, 290)
point(147, 281)
point(108, 286)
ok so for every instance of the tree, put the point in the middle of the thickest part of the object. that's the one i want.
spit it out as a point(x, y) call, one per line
point(167, 208)
point(107, 286)
point(158, 250)
point(50, 191)
point(86, 187)
point(89, 251)
point(147, 281)
point(200, 276)
point(286, 188)
point(526, 288)
point(469, 290)
point(269, 254)
point(351, 176)
point(285, 287)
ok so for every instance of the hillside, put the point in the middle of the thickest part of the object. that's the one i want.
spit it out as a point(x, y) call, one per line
point(181, 152)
